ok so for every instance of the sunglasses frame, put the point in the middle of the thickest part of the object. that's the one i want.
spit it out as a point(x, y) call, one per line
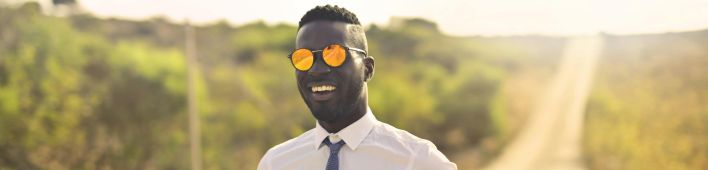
point(320, 51)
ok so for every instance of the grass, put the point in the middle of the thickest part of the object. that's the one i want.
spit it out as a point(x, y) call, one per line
point(649, 104)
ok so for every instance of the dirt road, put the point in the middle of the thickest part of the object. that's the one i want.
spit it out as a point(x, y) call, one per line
point(551, 137)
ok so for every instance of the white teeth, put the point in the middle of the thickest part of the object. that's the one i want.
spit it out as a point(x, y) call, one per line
point(323, 88)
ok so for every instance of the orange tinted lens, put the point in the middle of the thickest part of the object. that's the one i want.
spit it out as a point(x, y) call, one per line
point(302, 59)
point(334, 55)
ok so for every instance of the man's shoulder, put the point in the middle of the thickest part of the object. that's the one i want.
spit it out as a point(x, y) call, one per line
point(425, 154)
point(386, 132)
point(297, 143)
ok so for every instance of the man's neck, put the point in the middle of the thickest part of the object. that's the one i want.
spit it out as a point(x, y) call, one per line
point(336, 126)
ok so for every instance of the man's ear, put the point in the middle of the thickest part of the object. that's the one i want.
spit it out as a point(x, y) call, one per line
point(368, 68)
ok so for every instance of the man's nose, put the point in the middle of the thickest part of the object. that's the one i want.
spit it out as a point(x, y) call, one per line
point(319, 67)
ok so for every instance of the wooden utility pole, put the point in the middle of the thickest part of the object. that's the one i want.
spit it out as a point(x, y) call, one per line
point(192, 66)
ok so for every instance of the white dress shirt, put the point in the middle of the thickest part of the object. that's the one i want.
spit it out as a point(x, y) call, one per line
point(370, 144)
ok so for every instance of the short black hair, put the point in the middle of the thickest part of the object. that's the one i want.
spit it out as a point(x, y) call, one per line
point(329, 13)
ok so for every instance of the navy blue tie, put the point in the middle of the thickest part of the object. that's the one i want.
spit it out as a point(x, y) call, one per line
point(333, 161)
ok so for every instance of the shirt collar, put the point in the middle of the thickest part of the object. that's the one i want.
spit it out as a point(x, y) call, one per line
point(352, 135)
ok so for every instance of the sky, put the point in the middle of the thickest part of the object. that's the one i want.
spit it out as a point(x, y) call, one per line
point(456, 17)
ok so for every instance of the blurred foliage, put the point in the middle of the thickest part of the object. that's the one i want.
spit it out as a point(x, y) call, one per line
point(73, 100)
point(80, 92)
point(648, 107)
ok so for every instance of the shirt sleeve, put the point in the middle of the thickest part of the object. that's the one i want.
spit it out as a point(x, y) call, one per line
point(429, 157)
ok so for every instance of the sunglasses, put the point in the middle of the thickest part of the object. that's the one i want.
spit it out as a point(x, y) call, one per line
point(333, 55)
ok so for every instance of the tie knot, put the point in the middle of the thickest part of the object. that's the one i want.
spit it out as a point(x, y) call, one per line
point(333, 160)
point(334, 147)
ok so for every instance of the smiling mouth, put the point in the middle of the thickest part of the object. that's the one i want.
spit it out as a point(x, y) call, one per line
point(322, 92)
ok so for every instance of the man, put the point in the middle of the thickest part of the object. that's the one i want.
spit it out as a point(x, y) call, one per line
point(332, 68)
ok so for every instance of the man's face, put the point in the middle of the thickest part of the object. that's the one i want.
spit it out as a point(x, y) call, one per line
point(347, 79)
